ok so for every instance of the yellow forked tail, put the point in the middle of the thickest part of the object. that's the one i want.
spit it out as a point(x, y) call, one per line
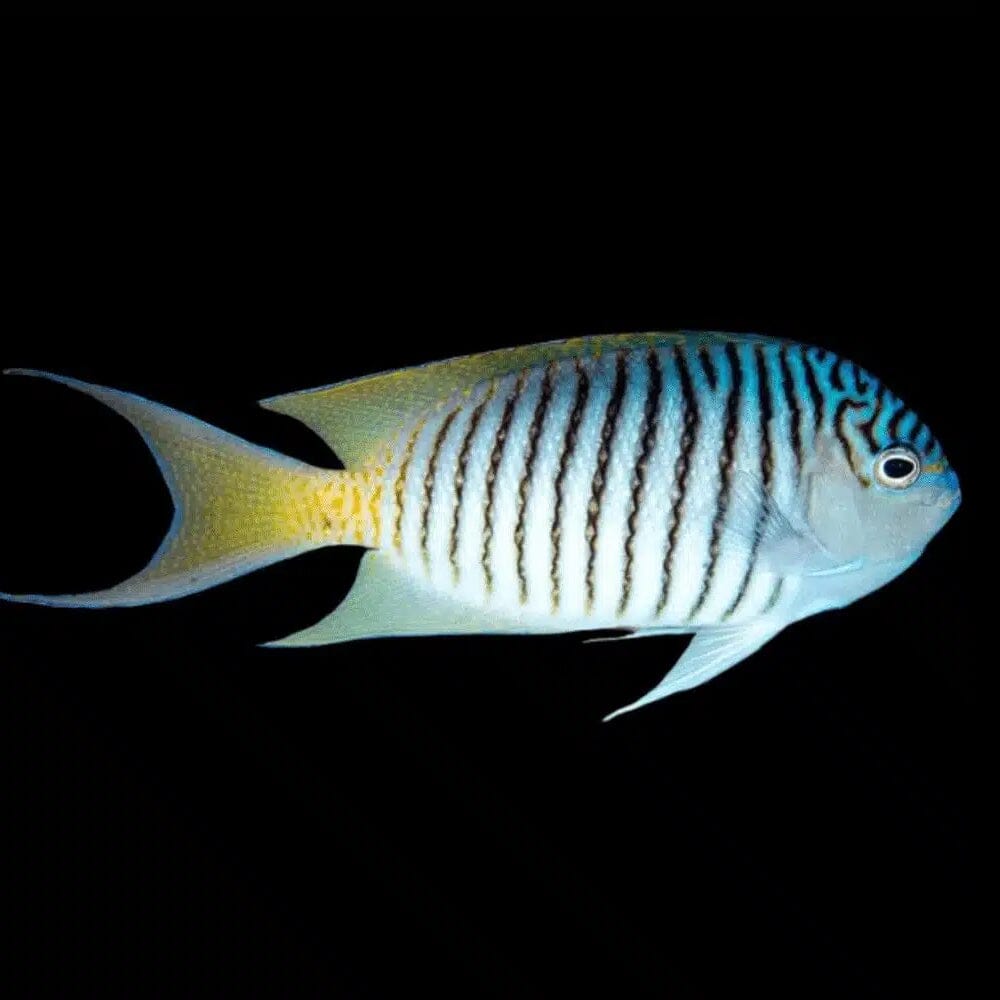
point(237, 506)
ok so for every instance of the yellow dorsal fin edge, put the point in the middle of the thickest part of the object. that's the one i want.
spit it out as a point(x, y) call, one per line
point(358, 418)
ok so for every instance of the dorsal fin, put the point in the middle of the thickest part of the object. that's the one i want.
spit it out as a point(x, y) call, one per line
point(358, 416)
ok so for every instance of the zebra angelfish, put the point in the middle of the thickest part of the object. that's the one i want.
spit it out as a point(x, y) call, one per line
point(715, 484)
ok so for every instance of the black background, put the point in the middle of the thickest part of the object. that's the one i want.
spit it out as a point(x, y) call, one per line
point(208, 224)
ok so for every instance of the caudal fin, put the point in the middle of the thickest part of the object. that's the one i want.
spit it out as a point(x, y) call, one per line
point(237, 507)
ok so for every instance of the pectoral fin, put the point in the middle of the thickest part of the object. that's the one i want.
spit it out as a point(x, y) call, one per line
point(710, 653)
point(784, 543)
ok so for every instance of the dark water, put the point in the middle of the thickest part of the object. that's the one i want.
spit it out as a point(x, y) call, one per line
point(195, 813)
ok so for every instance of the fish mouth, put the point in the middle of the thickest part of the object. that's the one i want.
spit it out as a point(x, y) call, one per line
point(944, 499)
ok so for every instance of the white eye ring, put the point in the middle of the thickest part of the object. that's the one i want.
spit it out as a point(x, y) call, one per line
point(897, 455)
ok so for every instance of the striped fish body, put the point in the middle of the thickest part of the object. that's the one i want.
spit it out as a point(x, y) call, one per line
point(594, 491)
point(715, 484)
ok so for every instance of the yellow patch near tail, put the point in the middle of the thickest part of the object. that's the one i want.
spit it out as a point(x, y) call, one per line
point(347, 509)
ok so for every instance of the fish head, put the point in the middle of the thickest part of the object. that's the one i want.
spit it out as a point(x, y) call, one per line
point(881, 487)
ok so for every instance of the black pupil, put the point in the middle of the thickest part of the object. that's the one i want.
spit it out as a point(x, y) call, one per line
point(898, 468)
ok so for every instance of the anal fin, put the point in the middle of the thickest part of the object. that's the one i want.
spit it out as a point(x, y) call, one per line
point(386, 601)
point(709, 653)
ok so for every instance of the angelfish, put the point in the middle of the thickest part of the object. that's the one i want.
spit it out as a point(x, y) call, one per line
point(705, 483)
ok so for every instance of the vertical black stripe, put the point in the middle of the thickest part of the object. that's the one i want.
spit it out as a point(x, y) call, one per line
point(766, 475)
point(730, 434)
point(766, 416)
point(689, 438)
point(600, 480)
point(868, 426)
point(792, 402)
point(837, 370)
point(707, 359)
point(581, 392)
point(838, 428)
point(429, 476)
point(460, 471)
point(897, 422)
point(711, 375)
point(775, 594)
point(400, 490)
point(647, 437)
point(496, 457)
point(534, 430)
point(815, 396)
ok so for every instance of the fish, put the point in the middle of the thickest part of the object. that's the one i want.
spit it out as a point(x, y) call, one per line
point(722, 486)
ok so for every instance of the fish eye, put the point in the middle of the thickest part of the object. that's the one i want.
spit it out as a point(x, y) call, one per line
point(897, 468)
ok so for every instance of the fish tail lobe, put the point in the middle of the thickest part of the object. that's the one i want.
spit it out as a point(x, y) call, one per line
point(237, 507)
